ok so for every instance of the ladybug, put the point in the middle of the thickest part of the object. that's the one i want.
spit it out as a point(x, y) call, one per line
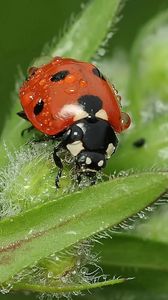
point(73, 100)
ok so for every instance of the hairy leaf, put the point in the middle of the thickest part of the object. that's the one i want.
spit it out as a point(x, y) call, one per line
point(56, 225)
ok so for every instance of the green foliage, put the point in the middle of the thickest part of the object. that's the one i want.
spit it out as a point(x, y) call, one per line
point(46, 235)
point(100, 207)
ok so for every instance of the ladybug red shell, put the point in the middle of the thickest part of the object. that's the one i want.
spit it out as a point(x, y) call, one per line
point(50, 96)
point(74, 100)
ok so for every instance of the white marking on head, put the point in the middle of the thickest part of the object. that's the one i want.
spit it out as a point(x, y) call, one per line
point(110, 150)
point(88, 161)
point(80, 115)
point(75, 148)
point(102, 114)
point(100, 163)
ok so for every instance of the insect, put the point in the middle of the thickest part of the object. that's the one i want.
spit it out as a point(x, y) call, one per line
point(139, 143)
point(72, 100)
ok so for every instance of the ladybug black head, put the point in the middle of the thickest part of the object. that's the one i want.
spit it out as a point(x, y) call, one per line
point(90, 103)
point(88, 160)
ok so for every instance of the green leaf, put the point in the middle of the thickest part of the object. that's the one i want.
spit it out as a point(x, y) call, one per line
point(154, 153)
point(56, 225)
point(83, 38)
point(156, 228)
point(113, 67)
point(131, 251)
point(32, 181)
point(143, 259)
point(147, 87)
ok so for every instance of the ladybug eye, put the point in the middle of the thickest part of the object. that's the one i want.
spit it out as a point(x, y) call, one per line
point(38, 107)
point(98, 73)
point(59, 76)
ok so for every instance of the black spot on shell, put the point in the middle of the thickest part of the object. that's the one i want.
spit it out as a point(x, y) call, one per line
point(59, 76)
point(139, 143)
point(38, 107)
point(98, 73)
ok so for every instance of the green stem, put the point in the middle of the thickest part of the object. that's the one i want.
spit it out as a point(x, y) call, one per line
point(64, 289)
point(84, 37)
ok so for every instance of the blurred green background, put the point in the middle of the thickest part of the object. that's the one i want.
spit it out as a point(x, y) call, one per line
point(27, 25)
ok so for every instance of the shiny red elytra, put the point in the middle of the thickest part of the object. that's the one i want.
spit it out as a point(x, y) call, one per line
point(58, 99)
point(74, 100)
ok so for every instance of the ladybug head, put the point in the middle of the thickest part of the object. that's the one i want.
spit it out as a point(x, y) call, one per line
point(89, 161)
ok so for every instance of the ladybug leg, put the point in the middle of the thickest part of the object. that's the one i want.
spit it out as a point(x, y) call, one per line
point(57, 159)
point(22, 115)
point(93, 180)
point(28, 129)
point(43, 138)
point(59, 164)
point(78, 177)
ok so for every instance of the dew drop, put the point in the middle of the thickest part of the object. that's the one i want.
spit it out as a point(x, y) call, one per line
point(70, 91)
point(45, 121)
point(119, 98)
point(70, 78)
point(42, 82)
point(115, 91)
point(50, 124)
point(27, 98)
point(46, 87)
point(125, 120)
point(56, 59)
point(83, 83)
point(50, 274)
point(32, 70)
